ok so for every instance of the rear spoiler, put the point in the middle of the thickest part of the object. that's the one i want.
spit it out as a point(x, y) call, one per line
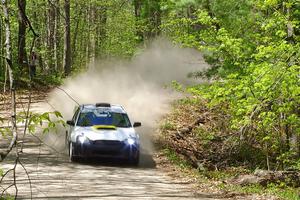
point(103, 105)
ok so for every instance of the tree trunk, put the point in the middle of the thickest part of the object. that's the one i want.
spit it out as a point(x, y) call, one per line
point(101, 30)
point(137, 13)
point(22, 57)
point(8, 57)
point(87, 50)
point(67, 42)
point(76, 33)
point(2, 62)
point(50, 36)
point(39, 42)
point(157, 19)
point(154, 19)
point(56, 37)
point(93, 37)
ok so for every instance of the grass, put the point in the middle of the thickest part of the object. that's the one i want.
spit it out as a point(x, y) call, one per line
point(7, 198)
point(204, 136)
point(175, 159)
point(223, 175)
point(283, 192)
point(167, 125)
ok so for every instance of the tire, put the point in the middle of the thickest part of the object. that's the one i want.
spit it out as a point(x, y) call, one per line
point(135, 160)
point(66, 139)
point(71, 153)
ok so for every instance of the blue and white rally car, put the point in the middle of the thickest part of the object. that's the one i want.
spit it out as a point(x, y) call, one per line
point(103, 130)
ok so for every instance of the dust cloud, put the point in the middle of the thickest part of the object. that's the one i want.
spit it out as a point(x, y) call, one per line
point(138, 84)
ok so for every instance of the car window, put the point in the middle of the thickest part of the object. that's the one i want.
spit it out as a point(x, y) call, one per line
point(97, 117)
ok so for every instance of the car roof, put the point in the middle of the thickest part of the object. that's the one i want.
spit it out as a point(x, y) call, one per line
point(108, 107)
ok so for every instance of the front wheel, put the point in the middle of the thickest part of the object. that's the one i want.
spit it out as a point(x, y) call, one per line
point(135, 159)
point(66, 139)
point(71, 153)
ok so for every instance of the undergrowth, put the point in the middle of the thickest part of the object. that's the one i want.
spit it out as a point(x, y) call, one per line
point(211, 151)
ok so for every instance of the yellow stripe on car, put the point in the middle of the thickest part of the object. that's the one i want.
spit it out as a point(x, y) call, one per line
point(97, 127)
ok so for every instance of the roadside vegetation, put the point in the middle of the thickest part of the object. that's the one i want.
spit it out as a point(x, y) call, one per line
point(247, 114)
point(210, 154)
point(253, 48)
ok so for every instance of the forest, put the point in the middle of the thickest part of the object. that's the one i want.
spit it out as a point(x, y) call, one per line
point(252, 88)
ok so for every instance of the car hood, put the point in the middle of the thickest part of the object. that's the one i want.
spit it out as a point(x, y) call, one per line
point(93, 134)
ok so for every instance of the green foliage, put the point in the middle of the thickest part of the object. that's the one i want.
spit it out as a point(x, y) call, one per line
point(255, 66)
point(47, 121)
point(280, 191)
point(177, 86)
point(167, 125)
point(49, 80)
point(120, 39)
point(204, 136)
point(223, 175)
point(7, 197)
point(99, 29)
point(175, 159)
point(5, 132)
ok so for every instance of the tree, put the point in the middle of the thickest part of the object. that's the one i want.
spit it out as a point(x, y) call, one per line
point(67, 39)
point(22, 57)
point(137, 13)
point(51, 15)
point(148, 18)
point(56, 36)
point(9, 64)
point(89, 30)
point(253, 49)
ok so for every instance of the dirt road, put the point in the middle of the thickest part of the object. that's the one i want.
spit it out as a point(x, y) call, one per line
point(53, 176)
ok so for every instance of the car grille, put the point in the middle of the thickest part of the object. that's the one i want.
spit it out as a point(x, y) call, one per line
point(108, 147)
point(108, 142)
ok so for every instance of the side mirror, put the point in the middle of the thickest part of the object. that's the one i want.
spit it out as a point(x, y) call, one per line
point(71, 123)
point(137, 124)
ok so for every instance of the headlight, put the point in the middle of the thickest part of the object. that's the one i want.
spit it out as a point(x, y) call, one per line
point(82, 139)
point(131, 141)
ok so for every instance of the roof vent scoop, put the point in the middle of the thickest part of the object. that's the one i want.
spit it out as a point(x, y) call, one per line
point(104, 127)
point(103, 105)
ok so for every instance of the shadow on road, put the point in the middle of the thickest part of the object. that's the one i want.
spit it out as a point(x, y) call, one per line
point(146, 162)
point(53, 176)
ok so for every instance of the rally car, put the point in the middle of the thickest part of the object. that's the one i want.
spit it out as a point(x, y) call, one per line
point(102, 130)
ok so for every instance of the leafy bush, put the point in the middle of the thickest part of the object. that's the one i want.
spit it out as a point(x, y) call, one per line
point(253, 48)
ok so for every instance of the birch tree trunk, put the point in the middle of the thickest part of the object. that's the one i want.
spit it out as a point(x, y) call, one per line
point(56, 37)
point(87, 50)
point(8, 57)
point(67, 42)
point(22, 57)
point(77, 20)
point(101, 31)
point(93, 38)
point(50, 36)
point(2, 61)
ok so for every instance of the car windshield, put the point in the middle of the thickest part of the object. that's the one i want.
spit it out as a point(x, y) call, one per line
point(102, 117)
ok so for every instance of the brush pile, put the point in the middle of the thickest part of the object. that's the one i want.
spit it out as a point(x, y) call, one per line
point(198, 134)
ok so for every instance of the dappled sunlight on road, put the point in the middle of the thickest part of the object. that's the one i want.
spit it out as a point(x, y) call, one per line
point(53, 176)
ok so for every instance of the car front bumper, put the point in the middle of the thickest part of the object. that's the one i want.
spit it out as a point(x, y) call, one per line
point(106, 148)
